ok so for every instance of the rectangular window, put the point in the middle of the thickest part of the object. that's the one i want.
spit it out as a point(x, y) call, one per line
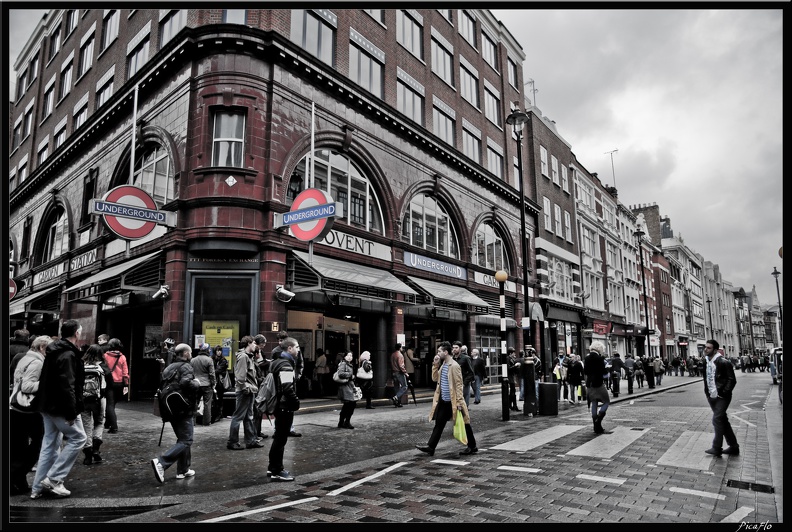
point(228, 141)
point(86, 56)
point(446, 14)
point(54, 42)
point(494, 162)
point(568, 225)
point(543, 160)
point(492, 107)
point(467, 27)
point(314, 34)
point(489, 50)
point(171, 25)
point(365, 70)
point(89, 189)
point(587, 241)
point(471, 145)
point(80, 118)
point(468, 86)
point(564, 179)
point(33, 69)
point(43, 154)
point(377, 14)
point(104, 93)
point(554, 168)
point(22, 174)
point(21, 85)
point(60, 137)
point(71, 21)
point(24, 250)
point(443, 126)
point(409, 102)
point(110, 28)
point(512, 68)
point(409, 33)
point(137, 58)
point(49, 102)
point(234, 16)
point(442, 62)
point(548, 215)
point(16, 136)
point(558, 227)
point(65, 82)
point(27, 123)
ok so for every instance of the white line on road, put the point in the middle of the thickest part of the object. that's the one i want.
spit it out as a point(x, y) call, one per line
point(699, 493)
point(602, 479)
point(521, 469)
point(258, 511)
point(738, 418)
point(450, 462)
point(366, 479)
point(737, 515)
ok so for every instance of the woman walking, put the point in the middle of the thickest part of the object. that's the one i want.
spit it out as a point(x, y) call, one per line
point(346, 391)
point(117, 363)
point(94, 401)
point(639, 372)
point(365, 377)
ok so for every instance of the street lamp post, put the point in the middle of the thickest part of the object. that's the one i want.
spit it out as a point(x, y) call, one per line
point(775, 273)
point(517, 120)
point(709, 311)
point(501, 277)
point(639, 233)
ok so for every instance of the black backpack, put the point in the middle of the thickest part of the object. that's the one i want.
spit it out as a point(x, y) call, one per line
point(172, 401)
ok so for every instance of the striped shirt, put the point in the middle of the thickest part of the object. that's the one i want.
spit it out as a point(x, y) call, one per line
point(445, 390)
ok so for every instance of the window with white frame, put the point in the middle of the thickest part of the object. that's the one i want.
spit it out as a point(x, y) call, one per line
point(608, 213)
point(548, 214)
point(512, 71)
point(426, 224)
point(65, 82)
point(554, 169)
point(447, 14)
point(71, 21)
point(56, 242)
point(471, 145)
point(587, 241)
point(377, 14)
point(489, 250)
point(409, 33)
point(16, 135)
point(171, 24)
point(54, 42)
point(489, 50)
point(613, 255)
point(22, 172)
point(543, 160)
point(234, 16)
point(442, 62)
point(27, 123)
point(49, 101)
point(495, 161)
point(409, 102)
point(60, 136)
point(21, 84)
point(467, 27)
point(80, 117)
point(104, 93)
point(110, 28)
point(43, 153)
point(564, 179)
point(228, 142)
point(86, 56)
point(137, 58)
point(568, 226)
point(365, 70)
point(559, 228)
point(586, 194)
point(443, 125)
point(315, 34)
point(468, 86)
point(153, 174)
point(492, 107)
point(33, 68)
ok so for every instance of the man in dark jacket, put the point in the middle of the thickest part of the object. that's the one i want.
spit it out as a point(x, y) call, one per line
point(181, 374)
point(282, 369)
point(60, 397)
point(18, 349)
point(597, 391)
point(617, 365)
point(719, 381)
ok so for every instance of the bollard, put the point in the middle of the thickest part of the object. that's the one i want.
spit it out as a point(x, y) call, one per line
point(548, 399)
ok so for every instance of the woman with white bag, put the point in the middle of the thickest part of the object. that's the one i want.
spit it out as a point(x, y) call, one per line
point(365, 377)
point(346, 391)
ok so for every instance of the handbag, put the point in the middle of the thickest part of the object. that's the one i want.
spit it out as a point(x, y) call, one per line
point(363, 374)
point(226, 381)
point(23, 402)
point(459, 429)
point(358, 394)
point(338, 379)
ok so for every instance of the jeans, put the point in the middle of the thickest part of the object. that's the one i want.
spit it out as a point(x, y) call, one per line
point(243, 414)
point(466, 393)
point(658, 378)
point(401, 378)
point(283, 423)
point(477, 389)
point(444, 413)
point(93, 421)
point(720, 422)
point(25, 436)
point(53, 462)
point(206, 392)
point(179, 453)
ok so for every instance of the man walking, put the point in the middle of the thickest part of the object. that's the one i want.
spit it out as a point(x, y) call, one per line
point(246, 389)
point(448, 402)
point(617, 365)
point(203, 368)
point(597, 391)
point(479, 373)
point(399, 372)
point(60, 395)
point(181, 374)
point(629, 369)
point(282, 369)
point(460, 354)
point(719, 382)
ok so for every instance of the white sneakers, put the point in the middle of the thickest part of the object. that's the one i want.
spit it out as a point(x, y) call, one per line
point(57, 488)
point(159, 471)
point(188, 473)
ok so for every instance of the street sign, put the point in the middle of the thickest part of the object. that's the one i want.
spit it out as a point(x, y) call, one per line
point(311, 215)
point(13, 289)
point(130, 212)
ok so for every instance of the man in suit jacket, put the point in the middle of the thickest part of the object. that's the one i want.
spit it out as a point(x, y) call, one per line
point(719, 381)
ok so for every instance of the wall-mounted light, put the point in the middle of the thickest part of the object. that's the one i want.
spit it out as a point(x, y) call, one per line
point(162, 293)
point(282, 294)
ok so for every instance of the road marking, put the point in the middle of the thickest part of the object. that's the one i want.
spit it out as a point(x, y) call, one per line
point(738, 418)
point(258, 511)
point(450, 462)
point(532, 441)
point(609, 480)
point(366, 479)
point(699, 493)
point(688, 451)
point(607, 445)
point(521, 469)
point(737, 515)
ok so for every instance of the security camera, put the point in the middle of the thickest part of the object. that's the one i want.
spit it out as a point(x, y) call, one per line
point(283, 294)
point(162, 293)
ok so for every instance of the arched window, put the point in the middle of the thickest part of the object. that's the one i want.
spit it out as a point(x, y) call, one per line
point(56, 240)
point(488, 249)
point(427, 225)
point(337, 175)
point(154, 174)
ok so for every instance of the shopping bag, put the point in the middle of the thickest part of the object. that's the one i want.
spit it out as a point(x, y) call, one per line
point(459, 428)
point(199, 410)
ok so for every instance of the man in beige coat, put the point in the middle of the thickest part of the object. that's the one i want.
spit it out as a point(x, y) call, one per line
point(448, 401)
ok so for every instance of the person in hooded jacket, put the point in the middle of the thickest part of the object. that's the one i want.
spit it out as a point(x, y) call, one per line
point(117, 363)
point(93, 413)
point(282, 369)
point(346, 392)
point(60, 397)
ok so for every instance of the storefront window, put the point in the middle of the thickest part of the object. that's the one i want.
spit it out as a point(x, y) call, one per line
point(427, 225)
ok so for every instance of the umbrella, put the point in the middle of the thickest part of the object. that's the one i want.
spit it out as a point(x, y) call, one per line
point(412, 390)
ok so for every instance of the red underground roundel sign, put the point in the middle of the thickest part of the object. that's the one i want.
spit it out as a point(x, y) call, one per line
point(312, 214)
point(129, 211)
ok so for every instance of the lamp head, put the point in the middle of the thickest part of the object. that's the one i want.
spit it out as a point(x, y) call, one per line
point(501, 276)
point(517, 118)
point(775, 273)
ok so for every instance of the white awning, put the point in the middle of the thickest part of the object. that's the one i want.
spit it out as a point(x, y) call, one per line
point(354, 273)
point(18, 307)
point(449, 292)
point(113, 271)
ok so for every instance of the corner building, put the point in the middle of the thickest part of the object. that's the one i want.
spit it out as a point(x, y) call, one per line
point(224, 117)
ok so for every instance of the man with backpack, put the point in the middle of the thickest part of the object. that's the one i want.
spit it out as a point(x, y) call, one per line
point(178, 392)
point(283, 376)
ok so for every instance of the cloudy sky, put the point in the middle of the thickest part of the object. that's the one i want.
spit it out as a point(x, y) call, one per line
point(692, 100)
